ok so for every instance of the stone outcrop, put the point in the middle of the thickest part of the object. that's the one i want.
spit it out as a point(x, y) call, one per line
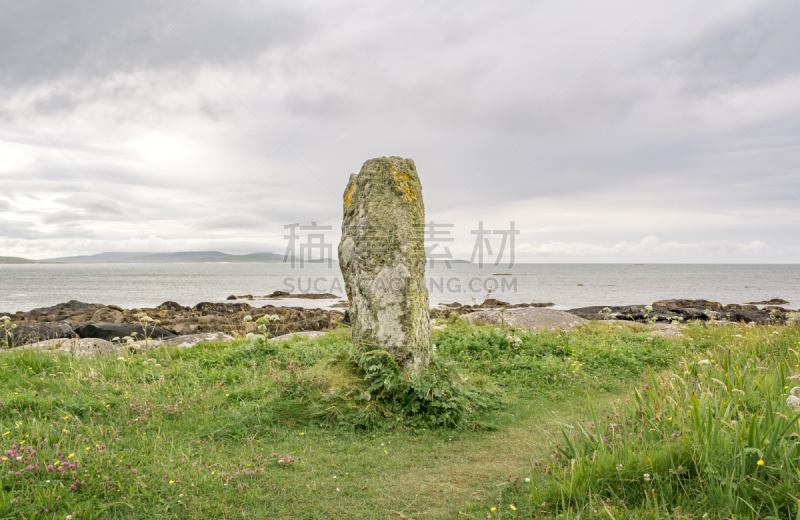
point(774, 301)
point(531, 318)
point(23, 334)
point(446, 309)
point(686, 310)
point(109, 331)
point(283, 294)
point(382, 258)
point(60, 321)
point(82, 348)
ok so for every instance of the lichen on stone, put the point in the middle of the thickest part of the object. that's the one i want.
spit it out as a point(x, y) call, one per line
point(382, 259)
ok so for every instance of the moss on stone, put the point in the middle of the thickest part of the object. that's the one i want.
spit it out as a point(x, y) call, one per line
point(382, 257)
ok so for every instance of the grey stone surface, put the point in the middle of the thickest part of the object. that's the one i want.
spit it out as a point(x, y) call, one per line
point(109, 331)
point(77, 347)
point(310, 334)
point(532, 318)
point(382, 258)
point(193, 339)
point(24, 334)
point(186, 341)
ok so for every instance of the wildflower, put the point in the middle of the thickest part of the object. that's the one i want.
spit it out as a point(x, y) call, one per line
point(760, 462)
point(512, 507)
point(647, 477)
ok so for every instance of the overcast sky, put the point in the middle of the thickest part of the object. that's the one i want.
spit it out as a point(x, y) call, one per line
point(608, 131)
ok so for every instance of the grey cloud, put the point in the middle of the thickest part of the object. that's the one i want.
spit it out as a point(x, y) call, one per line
point(494, 99)
point(755, 49)
point(47, 40)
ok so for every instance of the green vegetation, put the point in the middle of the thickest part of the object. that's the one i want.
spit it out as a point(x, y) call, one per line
point(320, 429)
point(711, 437)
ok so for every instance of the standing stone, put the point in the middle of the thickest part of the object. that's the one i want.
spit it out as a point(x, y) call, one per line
point(382, 257)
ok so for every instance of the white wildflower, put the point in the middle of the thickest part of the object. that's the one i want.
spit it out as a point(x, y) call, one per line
point(704, 362)
point(248, 318)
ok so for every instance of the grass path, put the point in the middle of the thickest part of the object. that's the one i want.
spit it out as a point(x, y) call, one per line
point(434, 479)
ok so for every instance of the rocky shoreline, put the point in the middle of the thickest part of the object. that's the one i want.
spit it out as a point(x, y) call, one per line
point(76, 319)
point(106, 322)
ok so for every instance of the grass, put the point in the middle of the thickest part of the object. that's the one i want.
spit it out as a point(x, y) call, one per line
point(709, 437)
point(201, 432)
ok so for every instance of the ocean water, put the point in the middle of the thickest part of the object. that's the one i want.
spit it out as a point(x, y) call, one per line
point(24, 287)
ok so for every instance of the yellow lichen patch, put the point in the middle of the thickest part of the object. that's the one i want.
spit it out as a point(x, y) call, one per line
point(348, 197)
point(404, 185)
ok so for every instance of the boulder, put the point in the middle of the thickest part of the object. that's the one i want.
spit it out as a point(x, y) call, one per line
point(23, 334)
point(171, 307)
point(774, 301)
point(193, 339)
point(535, 319)
point(607, 312)
point(309, 334)
point(77, 347)
point(689, 303)
point(206, 308)
point(109, 331)
point(308, 296)
point(382, 258)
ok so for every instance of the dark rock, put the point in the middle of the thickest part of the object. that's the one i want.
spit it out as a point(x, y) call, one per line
point(774, 301)
point(69, 307)
point(231, 297)
point(24, 334)
point(220, 308)
point(688, 303)
point(171, 307)
point(540, 305)
point(491, 303)
point(109, 331)
point(681, 312)
point(599, 312)
point(307, 296)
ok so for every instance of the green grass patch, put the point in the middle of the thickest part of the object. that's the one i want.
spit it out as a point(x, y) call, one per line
point(709, 437)
point(319, 429)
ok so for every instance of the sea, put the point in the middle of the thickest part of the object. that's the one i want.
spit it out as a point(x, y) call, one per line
point(27, 286)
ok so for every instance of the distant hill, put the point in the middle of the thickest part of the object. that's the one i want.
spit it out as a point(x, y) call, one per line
point(18, 260)
point(158, 258)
